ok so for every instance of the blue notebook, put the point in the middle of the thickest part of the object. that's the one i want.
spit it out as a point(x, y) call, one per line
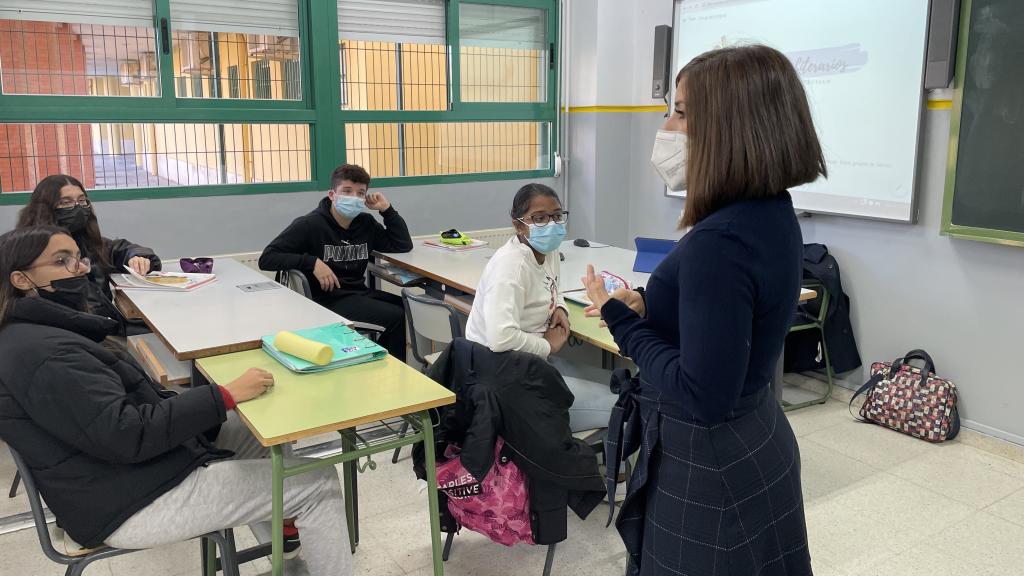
point(650, 252)
point(350, 348)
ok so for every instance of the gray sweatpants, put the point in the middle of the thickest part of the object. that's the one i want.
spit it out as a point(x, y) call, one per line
point(231, 493)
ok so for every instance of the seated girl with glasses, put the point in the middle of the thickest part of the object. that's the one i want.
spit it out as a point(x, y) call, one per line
point(518, 306)
point(118, 459)
point(61, 200)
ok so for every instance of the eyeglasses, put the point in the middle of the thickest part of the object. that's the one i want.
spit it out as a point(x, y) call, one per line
point(68, 203)
point(196, 265)
point(70, 263)
point(545, 219)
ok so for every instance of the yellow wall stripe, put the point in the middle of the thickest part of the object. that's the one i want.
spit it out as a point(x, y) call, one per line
point(932, 105)
point(585, 109)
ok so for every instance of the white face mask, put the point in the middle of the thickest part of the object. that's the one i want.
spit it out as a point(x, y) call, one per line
point(669, 159)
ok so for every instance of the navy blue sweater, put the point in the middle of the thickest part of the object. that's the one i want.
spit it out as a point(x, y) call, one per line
point(718, 308)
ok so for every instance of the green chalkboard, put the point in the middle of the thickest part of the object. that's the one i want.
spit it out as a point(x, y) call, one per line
point(985, 179)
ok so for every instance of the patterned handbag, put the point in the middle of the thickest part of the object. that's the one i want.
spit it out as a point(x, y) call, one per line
point(910, 400)
point(497, 506)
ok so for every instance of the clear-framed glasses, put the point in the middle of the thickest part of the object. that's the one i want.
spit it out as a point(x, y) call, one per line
point(560, 217)
point(70, 263)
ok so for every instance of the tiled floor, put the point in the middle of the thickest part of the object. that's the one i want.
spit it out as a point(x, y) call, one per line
point(878, 504)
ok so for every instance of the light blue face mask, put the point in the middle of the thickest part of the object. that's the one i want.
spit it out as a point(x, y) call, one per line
point(547, 239)
point(349, 206)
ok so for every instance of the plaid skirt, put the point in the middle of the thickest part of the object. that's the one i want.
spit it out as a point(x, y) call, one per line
point(720, 500)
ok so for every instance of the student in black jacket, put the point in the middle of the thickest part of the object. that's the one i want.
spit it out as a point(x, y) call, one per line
point(332, 245)
point(61, 200)
point(118, 459)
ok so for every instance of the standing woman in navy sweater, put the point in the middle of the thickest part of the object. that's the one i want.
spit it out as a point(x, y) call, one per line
point(717, 485)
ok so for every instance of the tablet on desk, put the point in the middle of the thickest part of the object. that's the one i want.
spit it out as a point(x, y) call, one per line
point(650, 252)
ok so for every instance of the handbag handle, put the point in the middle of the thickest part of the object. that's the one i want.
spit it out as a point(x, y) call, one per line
point(916, 354)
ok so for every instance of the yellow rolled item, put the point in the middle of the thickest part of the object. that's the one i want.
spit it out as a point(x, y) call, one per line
point(309, 350)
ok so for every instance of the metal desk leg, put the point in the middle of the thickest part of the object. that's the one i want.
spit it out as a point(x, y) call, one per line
point(435, 518)
point(348, 474)
point(277, 517)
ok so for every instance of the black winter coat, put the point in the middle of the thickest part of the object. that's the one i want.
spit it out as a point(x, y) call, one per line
point(803, 351)
point(118, 252)
point(102, 440)
point(523, 399)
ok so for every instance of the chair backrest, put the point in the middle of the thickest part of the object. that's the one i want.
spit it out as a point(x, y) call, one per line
point(38, 514)
point(295, 280)
point(429, 318)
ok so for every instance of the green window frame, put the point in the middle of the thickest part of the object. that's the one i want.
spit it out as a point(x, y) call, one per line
point(319, 107)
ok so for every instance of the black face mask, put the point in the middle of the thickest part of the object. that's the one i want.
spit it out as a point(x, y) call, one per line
point(72, 292)
point(74, 219)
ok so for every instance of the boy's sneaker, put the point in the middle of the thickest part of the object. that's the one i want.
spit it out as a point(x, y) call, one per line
point(292, 545)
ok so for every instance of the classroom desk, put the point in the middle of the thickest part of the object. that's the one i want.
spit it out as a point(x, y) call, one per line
point(221, 317)
point(304, 405)
point(462, 271)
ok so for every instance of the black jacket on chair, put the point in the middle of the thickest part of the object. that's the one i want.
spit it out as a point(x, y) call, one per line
point(102, 440)
point(523, 399)
point(802, 353)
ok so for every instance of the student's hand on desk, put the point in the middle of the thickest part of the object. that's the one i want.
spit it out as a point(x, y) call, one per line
point(377, 201)
point(250, 385)
point(556, 336)
point(325, 276)
point(140, 265)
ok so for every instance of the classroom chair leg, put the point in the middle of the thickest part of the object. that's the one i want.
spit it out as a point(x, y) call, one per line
point(17, 481)
point(447, 546)
point(401, 434)
point(549, 560)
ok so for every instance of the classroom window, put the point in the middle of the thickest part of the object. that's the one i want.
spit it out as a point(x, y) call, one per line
point(76, 48)
point(147, 155)
point(213, 36)
point(440, 148)
point(424, 89)
point(396, 60)
point(503, 53)
point(393, 54)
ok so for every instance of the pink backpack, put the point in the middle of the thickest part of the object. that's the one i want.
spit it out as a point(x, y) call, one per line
point(498, 507)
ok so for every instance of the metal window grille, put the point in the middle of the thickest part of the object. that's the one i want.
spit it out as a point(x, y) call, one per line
point(142, 155)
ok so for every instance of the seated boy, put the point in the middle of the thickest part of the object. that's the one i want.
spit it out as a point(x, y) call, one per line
point(332, 244)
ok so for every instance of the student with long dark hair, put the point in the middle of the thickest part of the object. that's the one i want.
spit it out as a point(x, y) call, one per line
point(716, 489)
point(61, 200)
point(118, 459)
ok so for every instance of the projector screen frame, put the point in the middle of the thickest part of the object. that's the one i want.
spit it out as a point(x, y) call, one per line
point(914, 209)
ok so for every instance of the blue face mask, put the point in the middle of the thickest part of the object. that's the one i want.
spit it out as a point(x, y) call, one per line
point(349, 206)
point(547, 239)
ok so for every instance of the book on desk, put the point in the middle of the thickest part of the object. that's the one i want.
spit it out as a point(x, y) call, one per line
point(347, 348)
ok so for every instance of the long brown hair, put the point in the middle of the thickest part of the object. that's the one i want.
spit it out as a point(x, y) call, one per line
point(41, 210)
point(19, 248)
point(749, 129)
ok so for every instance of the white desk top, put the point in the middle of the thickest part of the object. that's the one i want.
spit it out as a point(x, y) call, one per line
point(462, 270)
point(220, 317)
point(618, 261)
